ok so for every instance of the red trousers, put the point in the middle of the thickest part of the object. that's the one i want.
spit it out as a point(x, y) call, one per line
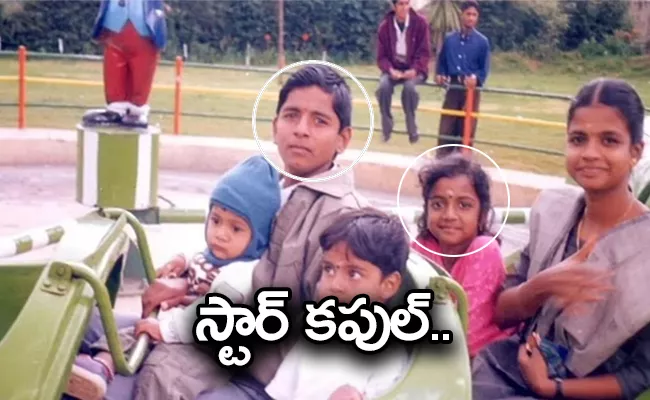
point(130, 62)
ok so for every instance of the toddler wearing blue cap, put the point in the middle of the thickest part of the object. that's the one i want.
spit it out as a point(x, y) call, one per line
point(242, 208)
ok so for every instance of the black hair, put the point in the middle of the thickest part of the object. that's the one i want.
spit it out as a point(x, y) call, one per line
point(452, 166)
point(371, 235)
point(615, 93)
point(469, 4)
point(329, 81)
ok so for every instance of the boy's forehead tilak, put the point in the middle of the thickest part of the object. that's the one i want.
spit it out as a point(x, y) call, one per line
point(340, 258)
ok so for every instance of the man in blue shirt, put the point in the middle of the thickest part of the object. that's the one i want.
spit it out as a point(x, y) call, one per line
point(463, 60)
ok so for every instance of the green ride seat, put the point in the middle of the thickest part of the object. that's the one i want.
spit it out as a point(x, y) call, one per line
point(445, 375)
point(437, 374)
point(58, 295)
point(46, 306)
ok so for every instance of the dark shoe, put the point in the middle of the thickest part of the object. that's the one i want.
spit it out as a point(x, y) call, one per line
point(101, 117)
point(414, 139)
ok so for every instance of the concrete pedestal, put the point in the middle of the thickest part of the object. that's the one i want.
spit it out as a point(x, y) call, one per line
point(118, 167)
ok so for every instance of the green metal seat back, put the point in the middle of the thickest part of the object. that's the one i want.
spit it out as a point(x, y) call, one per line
point(16, 284)
point(436, 371)
point(43, 336)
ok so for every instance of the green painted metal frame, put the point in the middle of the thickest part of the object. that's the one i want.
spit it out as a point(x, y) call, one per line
point(438, 371)
point(445, 288)
point(644, 195)
point(141, 237)
point(60, 303)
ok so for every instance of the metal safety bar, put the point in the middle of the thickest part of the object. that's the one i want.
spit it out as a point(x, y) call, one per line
point(443, 287)
point(122, 365)
point(83, 271)
point(141, 237)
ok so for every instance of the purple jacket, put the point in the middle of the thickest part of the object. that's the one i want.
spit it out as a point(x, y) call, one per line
point(418, 43)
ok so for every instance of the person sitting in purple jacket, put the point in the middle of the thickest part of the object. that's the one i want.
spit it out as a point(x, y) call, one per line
point(403, 53)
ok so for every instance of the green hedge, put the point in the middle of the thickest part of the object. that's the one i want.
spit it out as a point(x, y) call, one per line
point(212, 30)
point(218, 30)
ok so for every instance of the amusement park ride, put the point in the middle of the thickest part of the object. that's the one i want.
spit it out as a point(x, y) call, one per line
point(47, 302)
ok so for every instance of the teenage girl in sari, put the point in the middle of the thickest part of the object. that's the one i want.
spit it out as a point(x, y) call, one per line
point(582, 282)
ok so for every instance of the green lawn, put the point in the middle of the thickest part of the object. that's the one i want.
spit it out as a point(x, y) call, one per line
point(509, 71)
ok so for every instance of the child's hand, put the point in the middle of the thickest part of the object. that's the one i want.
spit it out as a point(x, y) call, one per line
point(151, 327)
point(346, 392)
point(162, 290)
point(203, 288)
point(171, 303)
point(173, 269)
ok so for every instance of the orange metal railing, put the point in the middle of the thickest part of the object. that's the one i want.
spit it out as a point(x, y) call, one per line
point(468, 112)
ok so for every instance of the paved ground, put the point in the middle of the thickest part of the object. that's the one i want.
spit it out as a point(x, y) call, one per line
point(514, 177)
point(36, 196)
point(376, 171)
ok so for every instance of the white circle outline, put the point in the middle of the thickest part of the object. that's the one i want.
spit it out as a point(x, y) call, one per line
point(370, 109)
point(399, 211)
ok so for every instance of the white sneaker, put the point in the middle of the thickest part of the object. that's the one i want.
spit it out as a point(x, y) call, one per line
point(120, 107)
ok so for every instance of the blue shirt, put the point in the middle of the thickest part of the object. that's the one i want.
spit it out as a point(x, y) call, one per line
point(117, 16)
point(464, 56)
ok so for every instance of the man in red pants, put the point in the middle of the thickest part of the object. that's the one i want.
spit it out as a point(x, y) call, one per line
point(133, 33)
